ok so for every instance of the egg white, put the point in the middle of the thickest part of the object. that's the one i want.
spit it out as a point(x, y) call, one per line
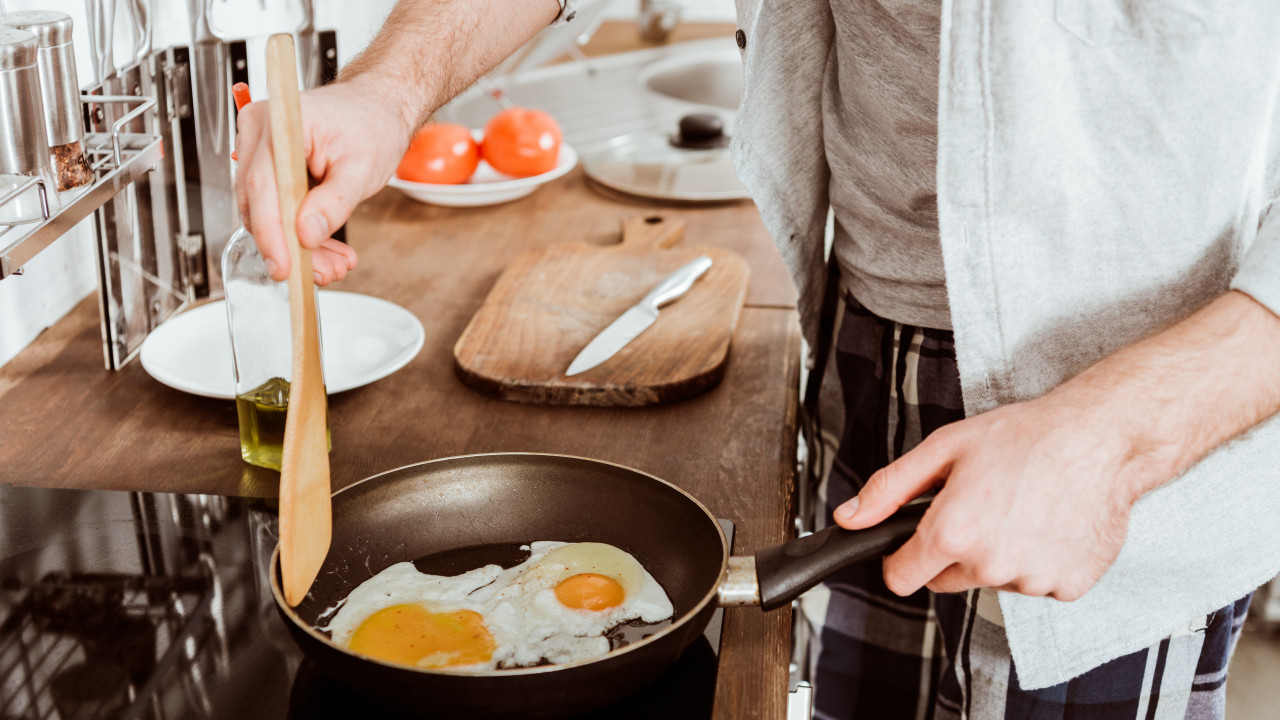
point(518, 604)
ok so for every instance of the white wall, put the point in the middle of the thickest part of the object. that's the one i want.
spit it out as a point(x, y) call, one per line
point(61, 276)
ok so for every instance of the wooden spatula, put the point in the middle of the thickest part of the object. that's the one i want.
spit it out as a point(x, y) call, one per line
point(305, 515)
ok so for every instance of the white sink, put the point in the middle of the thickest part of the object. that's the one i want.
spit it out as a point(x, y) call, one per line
point(710, 77)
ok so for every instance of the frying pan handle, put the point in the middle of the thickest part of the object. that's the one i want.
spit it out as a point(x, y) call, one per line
point(787, 570)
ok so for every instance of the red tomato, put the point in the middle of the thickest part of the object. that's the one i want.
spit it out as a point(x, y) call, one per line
point(521, 142)
point(440, 153)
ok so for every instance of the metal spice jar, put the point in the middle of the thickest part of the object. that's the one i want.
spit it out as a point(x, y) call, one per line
point(60, 92)
point(26, 173)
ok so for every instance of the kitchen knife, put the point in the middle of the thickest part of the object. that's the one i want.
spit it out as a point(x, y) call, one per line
point(141, 11)
point(638, 318)
point(102, 16)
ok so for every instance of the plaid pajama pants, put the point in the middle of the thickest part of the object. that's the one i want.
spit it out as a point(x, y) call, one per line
point(942, 656)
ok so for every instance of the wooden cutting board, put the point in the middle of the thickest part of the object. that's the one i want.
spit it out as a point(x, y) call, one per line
point(548, 304)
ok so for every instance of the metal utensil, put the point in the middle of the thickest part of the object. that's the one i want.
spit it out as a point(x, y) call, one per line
point(312, 62)
point(636, 320)
point(141, 12)
point(102, 14)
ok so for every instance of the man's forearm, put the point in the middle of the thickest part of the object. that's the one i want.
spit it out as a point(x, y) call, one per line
point(1035, 496)
point(1179, 394)
point(430, 50)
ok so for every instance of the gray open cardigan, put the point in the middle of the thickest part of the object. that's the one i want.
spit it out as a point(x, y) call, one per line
point(1105, 167)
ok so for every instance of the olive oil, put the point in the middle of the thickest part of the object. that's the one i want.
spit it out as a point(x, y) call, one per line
point(262, 413)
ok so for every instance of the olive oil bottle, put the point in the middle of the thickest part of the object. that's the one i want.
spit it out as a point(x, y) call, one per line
point(258, 319)
point(262, 413)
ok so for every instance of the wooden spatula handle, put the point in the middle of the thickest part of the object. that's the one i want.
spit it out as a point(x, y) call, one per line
point(305, 513)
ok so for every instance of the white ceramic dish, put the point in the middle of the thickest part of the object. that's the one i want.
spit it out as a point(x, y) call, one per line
point(487, 186)
point(365, 339)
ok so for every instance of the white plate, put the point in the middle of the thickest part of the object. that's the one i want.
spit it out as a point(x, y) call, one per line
point(487, 186)
point(365, 339)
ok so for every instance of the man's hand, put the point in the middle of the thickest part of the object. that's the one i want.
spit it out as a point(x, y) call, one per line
point(356, 130)
point(1035, 496)
point(1032, 501)
point(353, 146)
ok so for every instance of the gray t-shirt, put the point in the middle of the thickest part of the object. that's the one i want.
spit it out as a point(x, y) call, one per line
point(880, 127)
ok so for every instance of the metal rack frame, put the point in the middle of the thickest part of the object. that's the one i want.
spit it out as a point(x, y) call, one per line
point(159, 136)
point(117, 158)
point(148, 268)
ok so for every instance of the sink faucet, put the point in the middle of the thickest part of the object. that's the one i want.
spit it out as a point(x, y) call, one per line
point(658, 18)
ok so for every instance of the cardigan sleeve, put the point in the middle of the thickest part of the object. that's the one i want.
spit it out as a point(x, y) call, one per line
point(1259, 273)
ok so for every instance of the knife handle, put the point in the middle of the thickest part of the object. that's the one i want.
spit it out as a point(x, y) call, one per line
point(678, 282)
point(102, 17)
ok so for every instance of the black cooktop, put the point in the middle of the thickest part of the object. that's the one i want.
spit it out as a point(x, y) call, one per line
point(148, 605)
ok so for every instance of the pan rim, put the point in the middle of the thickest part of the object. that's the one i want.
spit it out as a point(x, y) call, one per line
point(277, 592)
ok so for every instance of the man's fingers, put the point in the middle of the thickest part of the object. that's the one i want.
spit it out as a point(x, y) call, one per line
point(959, 578)
point(327, 206)
point(1030, 586)
point(897, 483)
point(251, 125)
point(263, 219)
point(913, 566)
point(322, 267)
point(340, 248)
point(953, 579)
point(332, 261)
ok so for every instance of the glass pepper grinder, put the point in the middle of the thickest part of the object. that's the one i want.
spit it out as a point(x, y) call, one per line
point(262, 349)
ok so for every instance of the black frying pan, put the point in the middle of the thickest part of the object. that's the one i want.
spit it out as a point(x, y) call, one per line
point(515, 498)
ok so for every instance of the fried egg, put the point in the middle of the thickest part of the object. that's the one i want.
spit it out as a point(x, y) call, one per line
point(554, 607)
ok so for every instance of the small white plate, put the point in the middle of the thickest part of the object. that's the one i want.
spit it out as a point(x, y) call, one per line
point(365, 339)
point(487, 186)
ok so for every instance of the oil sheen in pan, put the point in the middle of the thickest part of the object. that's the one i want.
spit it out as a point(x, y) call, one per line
point(507, 555)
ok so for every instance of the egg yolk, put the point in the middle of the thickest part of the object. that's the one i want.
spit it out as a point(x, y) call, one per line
point(589, 591)
point(413, 635)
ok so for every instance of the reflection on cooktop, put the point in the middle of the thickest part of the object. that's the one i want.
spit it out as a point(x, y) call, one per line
point(139, 605)
point(686, 690)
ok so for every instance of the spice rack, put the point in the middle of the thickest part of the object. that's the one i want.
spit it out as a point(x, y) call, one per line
point(117, 158)
point(159, 135)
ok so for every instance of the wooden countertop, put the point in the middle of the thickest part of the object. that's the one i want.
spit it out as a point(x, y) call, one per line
point(66, 422)
point(615, 36)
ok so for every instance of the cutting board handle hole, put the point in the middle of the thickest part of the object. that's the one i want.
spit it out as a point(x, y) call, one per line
point(652, 220)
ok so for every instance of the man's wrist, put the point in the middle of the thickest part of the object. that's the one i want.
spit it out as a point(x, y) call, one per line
point(409, 100)
point(407, 109)
point(430, 50)
point(1100, 422)
point(1167, 401)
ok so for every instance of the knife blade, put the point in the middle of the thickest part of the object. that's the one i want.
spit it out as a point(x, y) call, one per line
point(638, 318)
